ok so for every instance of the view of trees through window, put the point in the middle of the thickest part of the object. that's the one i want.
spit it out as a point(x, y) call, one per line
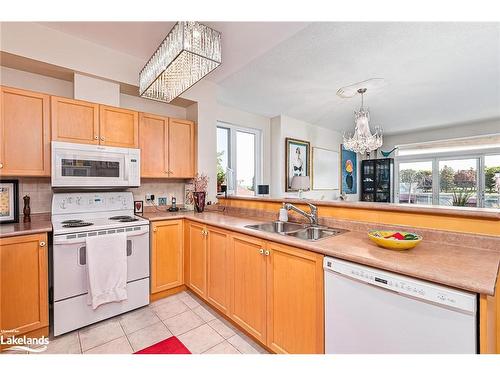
point(460, 183)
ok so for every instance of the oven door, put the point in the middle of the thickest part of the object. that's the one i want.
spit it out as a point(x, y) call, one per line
point(70, 261)
point(76, 165)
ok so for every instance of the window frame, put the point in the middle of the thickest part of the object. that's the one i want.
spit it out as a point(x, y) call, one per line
point(231, 160)
point(452, 155)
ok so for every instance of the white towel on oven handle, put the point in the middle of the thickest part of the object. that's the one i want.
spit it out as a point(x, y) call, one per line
point(106, 269)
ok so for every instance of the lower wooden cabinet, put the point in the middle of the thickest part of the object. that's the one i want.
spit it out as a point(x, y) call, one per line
point(167, 252)
point(272, 291)
point(248, 285)
point(295, 320)
point(24, 301)
point(196, 257)
point(218, 270)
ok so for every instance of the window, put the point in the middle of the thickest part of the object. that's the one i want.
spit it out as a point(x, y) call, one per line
point(238, 158)
point(469, 178)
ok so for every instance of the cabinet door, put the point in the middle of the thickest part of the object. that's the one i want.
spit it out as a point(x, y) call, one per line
point(74, 120)
point(294, 300)
point(218, 268)
point(118, 127)
point(197, 258)
point(153, 144)
point(24, 133)
point(181, 149)
point(166, 255)
point(24, 301)
point(248, 285)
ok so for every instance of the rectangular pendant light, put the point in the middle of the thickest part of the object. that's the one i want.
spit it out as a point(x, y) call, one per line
point(189, 52)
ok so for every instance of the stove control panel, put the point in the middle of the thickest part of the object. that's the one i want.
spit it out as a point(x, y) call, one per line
point(64, 203)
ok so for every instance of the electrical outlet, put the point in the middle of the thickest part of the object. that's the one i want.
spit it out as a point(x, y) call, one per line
point(162, 201)
point(150, 198)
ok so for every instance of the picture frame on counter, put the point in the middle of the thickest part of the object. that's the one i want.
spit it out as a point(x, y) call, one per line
point(297, 160)
point(9, 201)
point(138, 207)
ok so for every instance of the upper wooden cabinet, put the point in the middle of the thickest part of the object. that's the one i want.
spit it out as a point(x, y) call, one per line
point(24, 133)
point(153, 142)
point(79, 121)
point(167, 252)
point(168, 147)
point(181, 149)
point(74, 120)
point(24, 301)
point(118, 127)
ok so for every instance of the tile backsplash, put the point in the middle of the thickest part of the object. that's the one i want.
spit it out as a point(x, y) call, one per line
point(40, 192)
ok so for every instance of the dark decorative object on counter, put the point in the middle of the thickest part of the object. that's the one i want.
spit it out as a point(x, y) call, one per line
point(26, 209)
point(199, 200)
point(138, 207)
point(174, 207)
point(9, 201)
point(377, 183)
point(262, 189)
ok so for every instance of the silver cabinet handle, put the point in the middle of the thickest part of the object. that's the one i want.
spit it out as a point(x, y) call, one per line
point(1, 165)
point(42, 243)
point(267, 252)
point(102, 138)
point(96, 137)
point(261, 251)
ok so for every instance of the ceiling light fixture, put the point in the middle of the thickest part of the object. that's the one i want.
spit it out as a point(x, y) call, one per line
point(188, 53)
point(363, 140)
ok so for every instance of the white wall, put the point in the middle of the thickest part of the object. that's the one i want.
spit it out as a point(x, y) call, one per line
point(96, 90)
point(286, 127)
point(35, 82)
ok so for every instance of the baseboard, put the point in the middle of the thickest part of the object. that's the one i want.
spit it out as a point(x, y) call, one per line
point(165, 293)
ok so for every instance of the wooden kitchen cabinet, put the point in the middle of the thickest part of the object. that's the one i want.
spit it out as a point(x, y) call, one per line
point(181, 149)
point(74, 121)
point(295, 303)
point(218, 271)
point(197, 257)
point(118, 127)
point(168, 147)
point(24, 301)
point(153, 134)
point(167, 252)
point(24, 133)
point(248, 285)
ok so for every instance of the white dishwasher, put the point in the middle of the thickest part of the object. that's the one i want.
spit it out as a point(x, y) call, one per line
point(369, 311)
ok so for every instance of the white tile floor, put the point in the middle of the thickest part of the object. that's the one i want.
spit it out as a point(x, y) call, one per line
point(197, 326)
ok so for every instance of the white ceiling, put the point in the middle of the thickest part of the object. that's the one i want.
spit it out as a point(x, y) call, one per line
point(437, 73)
point(241, 41)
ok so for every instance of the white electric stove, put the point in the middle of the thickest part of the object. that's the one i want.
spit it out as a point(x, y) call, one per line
point(75, 217)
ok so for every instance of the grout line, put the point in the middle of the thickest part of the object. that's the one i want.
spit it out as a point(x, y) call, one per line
point(126, 336)
point(79, 342)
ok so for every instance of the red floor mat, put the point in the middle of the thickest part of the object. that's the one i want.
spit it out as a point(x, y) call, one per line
point(172, 345)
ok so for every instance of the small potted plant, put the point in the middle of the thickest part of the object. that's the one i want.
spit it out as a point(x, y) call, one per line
point(199, 193)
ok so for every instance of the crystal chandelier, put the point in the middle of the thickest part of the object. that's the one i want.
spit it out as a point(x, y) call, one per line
point(189, 52)
point(363, 140)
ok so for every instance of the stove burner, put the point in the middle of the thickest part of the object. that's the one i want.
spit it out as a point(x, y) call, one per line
point(73, 221)
point(120, 217)
point(127, 220)
point(80, 223)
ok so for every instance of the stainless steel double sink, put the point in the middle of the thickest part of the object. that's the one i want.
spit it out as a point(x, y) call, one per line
point(306, 232)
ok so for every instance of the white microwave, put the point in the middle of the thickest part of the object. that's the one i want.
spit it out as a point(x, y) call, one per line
point(80, 165)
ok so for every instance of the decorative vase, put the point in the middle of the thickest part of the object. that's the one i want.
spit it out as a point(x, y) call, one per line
point(199, 200)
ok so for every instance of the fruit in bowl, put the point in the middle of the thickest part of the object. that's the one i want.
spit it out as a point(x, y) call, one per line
point(395, 240)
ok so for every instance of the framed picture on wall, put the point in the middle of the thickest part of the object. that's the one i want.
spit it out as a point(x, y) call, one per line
point(9, 201)
point(349, 171)
point(297, 160)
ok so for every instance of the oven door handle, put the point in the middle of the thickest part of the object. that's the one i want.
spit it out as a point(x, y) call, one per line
point(82, 253)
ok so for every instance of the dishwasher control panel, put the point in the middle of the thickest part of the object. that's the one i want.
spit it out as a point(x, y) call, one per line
point(404, 285)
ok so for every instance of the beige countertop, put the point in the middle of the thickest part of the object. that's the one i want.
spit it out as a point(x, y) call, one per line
point(37, 225)
point(468, 268)
point(484, 213)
